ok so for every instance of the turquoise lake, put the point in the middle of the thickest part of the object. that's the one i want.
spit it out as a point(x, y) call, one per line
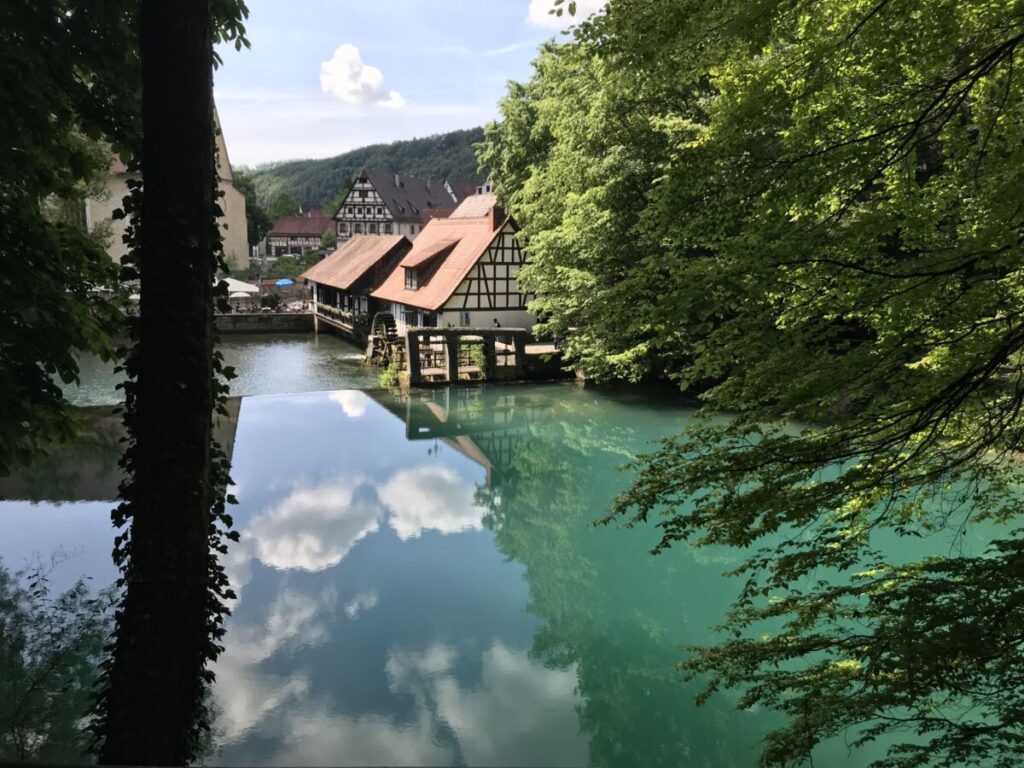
point(420, 583)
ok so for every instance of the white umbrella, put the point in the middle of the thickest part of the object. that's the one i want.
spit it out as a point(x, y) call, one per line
point(237, 286)
point(239, 295)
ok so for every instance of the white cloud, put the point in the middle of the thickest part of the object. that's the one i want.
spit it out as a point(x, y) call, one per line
point(352, 402)
point(350, 79)
point(293, 618)
point(539, 13)
point(519, 712)
point(430, 497)
point(364, 601)
point(314, 528)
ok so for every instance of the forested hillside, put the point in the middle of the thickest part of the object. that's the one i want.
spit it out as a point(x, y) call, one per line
point(318, 182)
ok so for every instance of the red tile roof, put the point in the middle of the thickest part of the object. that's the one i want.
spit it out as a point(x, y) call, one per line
point(357, 256)
point(466, 240)
point(475, 206)
point(434, 248)
point(301, 226)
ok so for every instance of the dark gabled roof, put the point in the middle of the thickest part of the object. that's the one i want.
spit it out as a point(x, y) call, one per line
point(357, 256)
point(463, 188)
point(301, 226)
point(411, 197)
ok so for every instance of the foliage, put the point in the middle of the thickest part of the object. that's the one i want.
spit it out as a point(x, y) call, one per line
point(329, 240)
point(290, 266)
point(68, 83)
point(826, 227)
point(391, 375)
point(257, 220)
point(473, 352)
point(281, 206)
point(49, 649)
point(323, 182)
point(272, 300)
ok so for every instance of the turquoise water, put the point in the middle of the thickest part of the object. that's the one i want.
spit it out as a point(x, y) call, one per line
point(419, 583)
point(419, 578)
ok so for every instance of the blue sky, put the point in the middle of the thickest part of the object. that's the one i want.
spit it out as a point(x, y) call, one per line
point(326, 76)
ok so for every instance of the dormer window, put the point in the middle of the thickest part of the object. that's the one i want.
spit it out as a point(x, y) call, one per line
point(411, 279)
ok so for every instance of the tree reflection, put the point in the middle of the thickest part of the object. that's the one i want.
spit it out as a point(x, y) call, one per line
point(609, 607)
point(50, 645)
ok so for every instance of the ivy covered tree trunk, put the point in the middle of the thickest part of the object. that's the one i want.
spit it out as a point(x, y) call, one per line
point(151, 706)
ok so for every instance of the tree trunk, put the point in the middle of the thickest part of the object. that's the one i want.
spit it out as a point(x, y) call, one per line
point(155, 679)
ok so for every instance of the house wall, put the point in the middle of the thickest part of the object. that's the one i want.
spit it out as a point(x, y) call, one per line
point(234, 230)
point(293, 244)
point(491, 289)
point(101, 211)
point(489, 292)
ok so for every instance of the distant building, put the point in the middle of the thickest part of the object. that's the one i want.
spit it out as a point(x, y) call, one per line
point(345, 279)
point(462, 271)
point(233, 225)
point(385, 203)
point(295, 234)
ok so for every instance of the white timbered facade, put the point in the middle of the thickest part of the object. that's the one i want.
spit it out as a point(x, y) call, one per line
point(385, 203)
point(491, 289)
point(463, 272)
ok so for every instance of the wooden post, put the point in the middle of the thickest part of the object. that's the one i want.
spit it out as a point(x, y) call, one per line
point(412, 351)
point(451, 340)
point(519, 340)
point(490, 356)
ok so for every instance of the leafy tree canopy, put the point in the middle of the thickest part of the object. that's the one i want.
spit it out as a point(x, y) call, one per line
point(282, 205)
point(70, 81)
point(809, 212)
point(257, 219)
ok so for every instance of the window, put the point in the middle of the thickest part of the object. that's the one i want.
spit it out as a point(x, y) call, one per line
point(464, 319)
point(409, 317)
point(380, 211)
point(358, 228)
point(348, 210)
point(373, 229)
point(410, 279)
point(362, 193)
point(359, 210)
point(429, 320)
point(387, 229)
point(342, 227)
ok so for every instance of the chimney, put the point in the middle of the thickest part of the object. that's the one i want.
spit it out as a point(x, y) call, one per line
point(398, 180)
point(428, 184)
point(497, 217)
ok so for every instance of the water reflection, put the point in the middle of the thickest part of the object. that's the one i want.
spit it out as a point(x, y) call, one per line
point(419, 583)
point(50, 645)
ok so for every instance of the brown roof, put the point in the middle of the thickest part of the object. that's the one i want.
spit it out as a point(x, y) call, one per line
point(354, 259)
point(434, 248)
point(475, 206)
point(305, 226)
point(465, 239)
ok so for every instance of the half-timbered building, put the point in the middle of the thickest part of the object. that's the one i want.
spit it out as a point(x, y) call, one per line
point(462, 271)
point(385, 203)
point(292, 235)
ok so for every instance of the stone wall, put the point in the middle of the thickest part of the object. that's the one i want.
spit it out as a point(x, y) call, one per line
point(265, 322)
